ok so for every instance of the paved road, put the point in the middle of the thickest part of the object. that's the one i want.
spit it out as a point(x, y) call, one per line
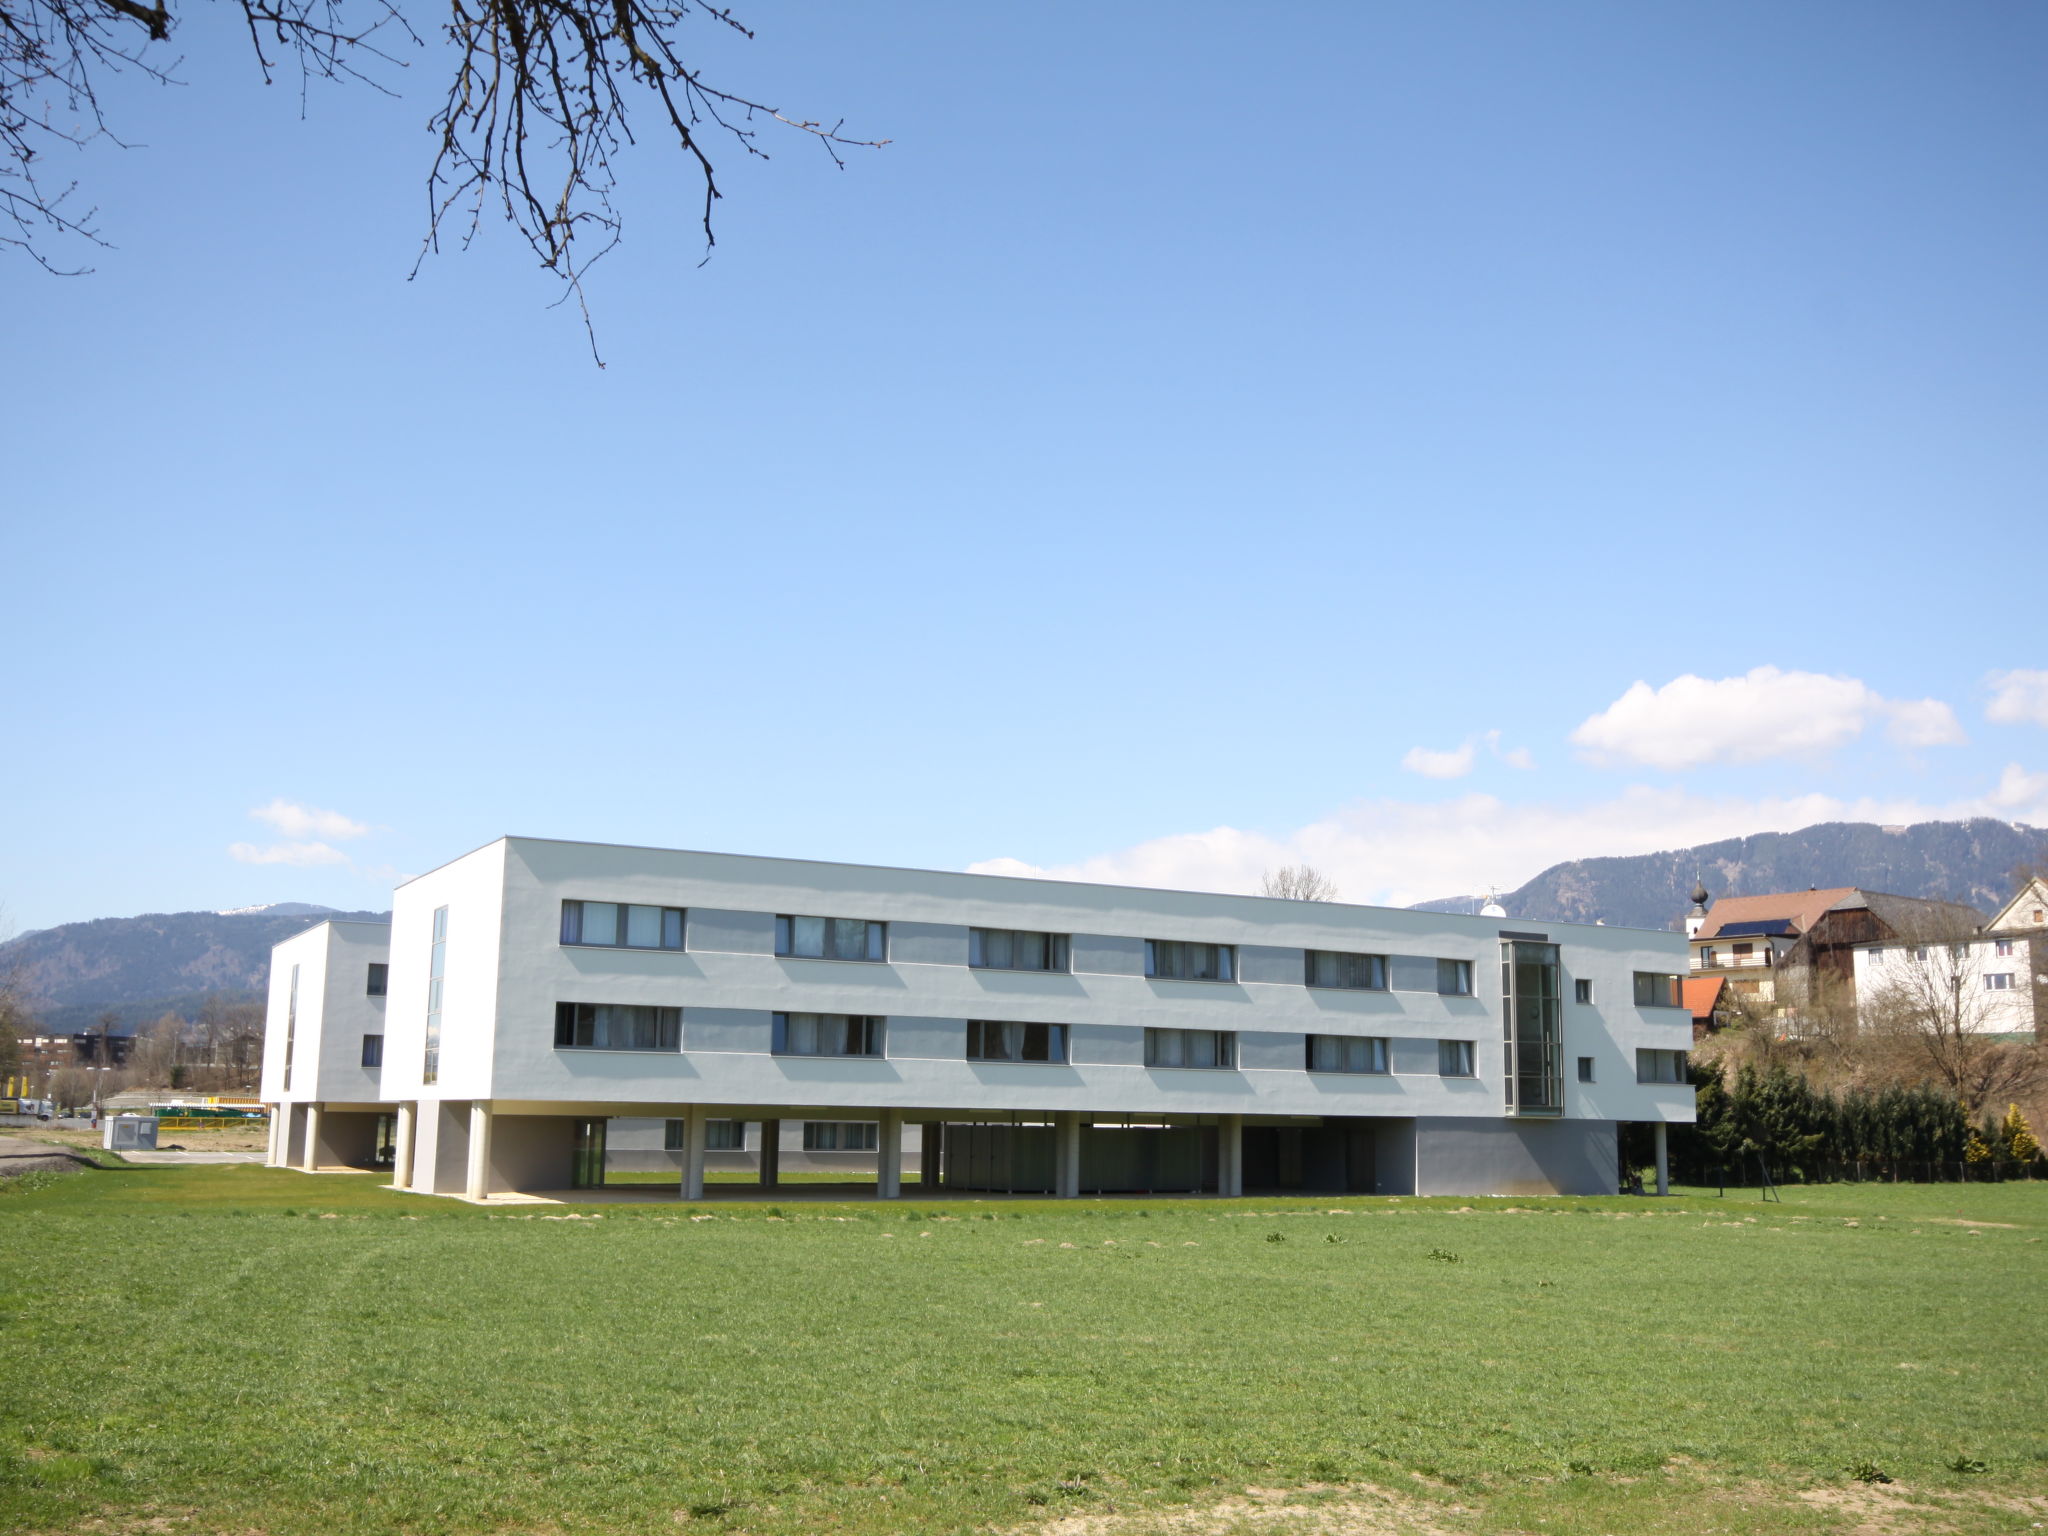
point(193, 1157)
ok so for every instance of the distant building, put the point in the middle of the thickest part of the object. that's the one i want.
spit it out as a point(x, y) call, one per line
point(2000, 970)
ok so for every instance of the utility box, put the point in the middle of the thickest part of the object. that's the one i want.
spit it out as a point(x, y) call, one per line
point(128, 1133)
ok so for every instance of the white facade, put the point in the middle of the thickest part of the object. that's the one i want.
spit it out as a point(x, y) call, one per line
point(501, 1109)
point(325, 1001)
point(1995, 974)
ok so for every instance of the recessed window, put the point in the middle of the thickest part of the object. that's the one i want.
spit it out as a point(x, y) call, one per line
point(2001, 947)
point(1346, 1053)
point(1016, 949)
point(378, 980)
point(1173, 960)
point(1710, 957)
point(827, 1034)
point(1454, 1058)
point(1660, 1066)
point(1335, 968)
point(1454, 978)
point(1585, 1069)
point(1000, 1040)
point(841, 1136)
point(437, 972)
point(1742, 952)
point(1582, 989)
point(622, 925)
point(1190, 1048)
point(617, 1027)
point(1656, 990)
point(719, 1136)
point(1998, 981)
point(1877, 951)
point(373, 1050)
point(829, 938)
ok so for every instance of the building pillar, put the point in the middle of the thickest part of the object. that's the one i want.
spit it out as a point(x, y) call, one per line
point(692, 1183)
point(771, 1153)
point(889, 1156)
point(1663, 1161)
point(273, 1156)
point(1066, 1155)
point(480, 1118)
point(401, 1147)
point(931, 1146)
point(309, 1154)
point(1230, 1155)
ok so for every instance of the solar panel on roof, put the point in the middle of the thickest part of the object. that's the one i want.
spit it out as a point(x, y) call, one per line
point(1765, 926)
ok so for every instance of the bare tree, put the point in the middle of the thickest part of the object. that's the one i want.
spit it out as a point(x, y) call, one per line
point(542, 98)
point(1931, 1008)
point(1298, 882)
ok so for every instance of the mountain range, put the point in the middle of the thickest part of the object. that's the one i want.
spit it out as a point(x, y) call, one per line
point(142, 967)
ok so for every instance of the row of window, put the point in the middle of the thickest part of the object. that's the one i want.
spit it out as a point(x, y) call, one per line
point(819, 1136)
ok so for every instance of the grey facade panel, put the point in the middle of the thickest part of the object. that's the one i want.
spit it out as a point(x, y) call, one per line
point(1269, 963)
point(1260, 1050)
point(1108, 954)
point(1105, 1045)
point(1516, 1157)
point(734, 933)
point(931, 1039)
point(1393, 1161)
point(1411, 973)
point(727, 1029)
point(1412, 1056)
point(928, 943)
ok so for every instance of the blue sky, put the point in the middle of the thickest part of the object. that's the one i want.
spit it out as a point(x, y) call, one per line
point(1198, 428)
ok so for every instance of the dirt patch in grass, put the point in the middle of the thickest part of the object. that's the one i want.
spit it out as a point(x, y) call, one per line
point(1353, 1509)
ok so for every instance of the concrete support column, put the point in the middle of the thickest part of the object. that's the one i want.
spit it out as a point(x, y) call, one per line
point(1230, 1155)
point(1663, 1161)
point(931, 1147)
point(479, 1183)
point(771, 1153)
point(401, 1147)
point(1066, 1155)
point(889, 1156)
point(693, 1152)
point(309, 1154)
point(273, 1156)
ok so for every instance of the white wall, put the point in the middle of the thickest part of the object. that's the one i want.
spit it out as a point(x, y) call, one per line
point(334, 1013)
point(2006, 1011)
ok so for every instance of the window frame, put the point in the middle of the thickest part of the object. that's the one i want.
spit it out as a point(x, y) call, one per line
point(1657, 1058)
point(1582, 992)
point(1377, 966)
point(373, 1054)
point(877, 939)
point(1998, 981)
point(672, 1135)
point(1377, 1053)
point(1676, 999)
point(671, 920)
point(1586, 1069)
point(1226, 1050)
point(1059, 1042)
point(1463, 970)
point(1059, 951)
point(1465, 1051)
point(377, 979)
point(667, 1022)
point(867, 1132)
point(873, 1026)
point(1225, 960)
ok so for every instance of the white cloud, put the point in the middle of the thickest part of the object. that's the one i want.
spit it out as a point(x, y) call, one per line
point(303, 855)
point(1764, 713)
point(2018, 698)
point(1396, 852)
point(1457, 762)
point(303, 821)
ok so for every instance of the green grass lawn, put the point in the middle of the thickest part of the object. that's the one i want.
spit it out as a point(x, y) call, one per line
point(236, 1349)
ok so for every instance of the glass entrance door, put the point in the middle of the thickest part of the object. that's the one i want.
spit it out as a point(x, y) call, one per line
point(586, 1170)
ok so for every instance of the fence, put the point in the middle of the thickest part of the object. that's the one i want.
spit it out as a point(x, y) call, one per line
point(1749, 1174)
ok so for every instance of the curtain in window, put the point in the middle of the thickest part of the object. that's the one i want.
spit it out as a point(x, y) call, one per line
point(807, 937)
point(600, 922)
point(850, 939)
point(643, 927)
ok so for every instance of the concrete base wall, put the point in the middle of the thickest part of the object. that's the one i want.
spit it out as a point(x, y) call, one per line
point(1514, 1157)
point(292, 1132)
point(347, 1140)
point(531, 1152)
point(1393, 1162)
point(440, 1160)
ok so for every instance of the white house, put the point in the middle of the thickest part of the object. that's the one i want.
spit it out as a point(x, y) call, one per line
point(1028, 1034)
point(2000, 971)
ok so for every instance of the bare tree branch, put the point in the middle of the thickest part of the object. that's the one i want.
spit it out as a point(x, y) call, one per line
point(1298, 882)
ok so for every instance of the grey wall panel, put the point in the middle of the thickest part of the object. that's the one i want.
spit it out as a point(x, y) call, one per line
point(928, 943)
point(532, 1151)
point(1515, 1157)
point(1106, 1045)
point(734, 933)
point(1261, 1050)
point(1411, 973)
point(932, 1039)
point(1108, 954)
point(1269, 963)
point(1393, 1157)
point(1413, 1056)
point(727, 1029)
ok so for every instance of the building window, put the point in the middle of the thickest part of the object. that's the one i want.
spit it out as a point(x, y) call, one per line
point(1709, 958)
point(1190, 1048)
point(1173, 960)
point(437, 969)
point(1877, 952)
point(1454, 978)
point(373, 1050)
point(1454, 1058)
point(719, 1136)
point(1655, 990)
point(1582, 989)
point(829, 938)
point(827, 1034)
point(1660, 1066)
point(841, 1136)
point(1016, 949)
point(378, 981)
point(1332, 968)
point(1998, 981)
point(994, 1040)
point(1742, 952)
point(1585, 1069)
point(1346, 1053)
point(291, 1028)
point(617, 1027)
point(1920, 954)
point(2001, 947)
point(1746, 988)
point(621, 925)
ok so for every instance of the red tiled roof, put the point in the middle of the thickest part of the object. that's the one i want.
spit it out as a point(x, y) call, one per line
point(1701, 993)
point(1801, 908)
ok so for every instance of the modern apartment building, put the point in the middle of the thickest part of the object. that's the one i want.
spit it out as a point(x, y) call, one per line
point(1024, 1035)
